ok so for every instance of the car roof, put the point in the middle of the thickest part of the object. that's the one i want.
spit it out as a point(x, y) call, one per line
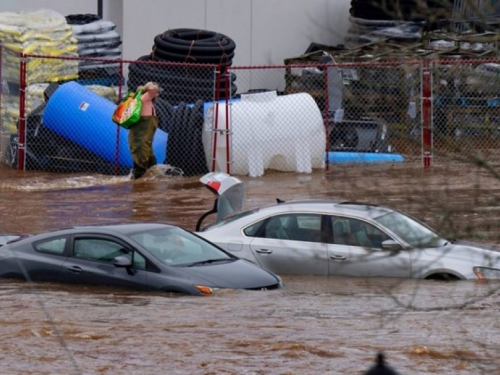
point(359, 209)
point(121, 228)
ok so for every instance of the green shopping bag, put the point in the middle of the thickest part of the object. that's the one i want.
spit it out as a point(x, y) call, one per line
point(128, 112)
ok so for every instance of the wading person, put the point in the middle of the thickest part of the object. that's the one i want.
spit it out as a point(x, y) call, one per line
point(141, 134)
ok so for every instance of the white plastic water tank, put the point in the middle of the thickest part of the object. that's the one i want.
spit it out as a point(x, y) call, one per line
point(265, 131)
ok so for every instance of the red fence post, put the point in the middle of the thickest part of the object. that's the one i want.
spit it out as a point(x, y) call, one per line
point(227, 93)
point(216, 117)
point(22, 112)
point(426, 113)
point(120, 95)
point(327, 119)
point(1, 93)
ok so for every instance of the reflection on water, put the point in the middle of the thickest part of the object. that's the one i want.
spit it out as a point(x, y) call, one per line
point(313, 325)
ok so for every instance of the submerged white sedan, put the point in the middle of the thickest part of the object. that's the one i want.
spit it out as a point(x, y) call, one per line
point(325, 237)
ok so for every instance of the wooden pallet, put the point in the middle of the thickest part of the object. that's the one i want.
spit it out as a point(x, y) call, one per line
point(458, 44)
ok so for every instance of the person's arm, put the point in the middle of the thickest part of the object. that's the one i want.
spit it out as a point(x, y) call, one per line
point(146, 97)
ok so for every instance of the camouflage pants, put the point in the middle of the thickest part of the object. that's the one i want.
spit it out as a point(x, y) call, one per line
point(140, 141)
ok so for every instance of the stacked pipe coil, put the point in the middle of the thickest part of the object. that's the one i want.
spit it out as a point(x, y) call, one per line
point(184, 63)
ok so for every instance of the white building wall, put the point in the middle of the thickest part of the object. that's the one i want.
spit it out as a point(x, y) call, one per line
point(113, 11)
point(64, 7)
point(265, 31)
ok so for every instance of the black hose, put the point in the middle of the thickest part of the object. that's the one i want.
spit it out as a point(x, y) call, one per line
point(169, 43)
point(189, 57)
point(82, 19)
point(194, 46)
point(182, 80)
point(181, 83)
point(185, 134)
point(192, 75)
point(198, 38)
point(187, 83)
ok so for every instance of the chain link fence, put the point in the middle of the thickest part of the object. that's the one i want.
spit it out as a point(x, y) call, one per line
point(299, 117)
point(466, 110)
point(9, 102)
point(367, 112)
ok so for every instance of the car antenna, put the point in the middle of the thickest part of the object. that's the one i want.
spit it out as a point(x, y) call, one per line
point(279, 201)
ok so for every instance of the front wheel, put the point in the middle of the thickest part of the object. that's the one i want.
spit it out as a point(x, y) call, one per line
point(442, 277)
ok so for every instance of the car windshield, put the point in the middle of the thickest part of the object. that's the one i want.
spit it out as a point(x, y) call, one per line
point(410, 230)
point(175, 246)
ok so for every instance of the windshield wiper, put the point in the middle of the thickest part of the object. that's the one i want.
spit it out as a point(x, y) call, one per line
point(208, 261)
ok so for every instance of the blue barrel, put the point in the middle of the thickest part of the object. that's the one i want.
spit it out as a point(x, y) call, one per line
point(84, 117)
point(362, 157)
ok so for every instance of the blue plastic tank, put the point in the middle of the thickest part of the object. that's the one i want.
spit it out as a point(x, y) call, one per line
point(84, 117)
point(362, 157)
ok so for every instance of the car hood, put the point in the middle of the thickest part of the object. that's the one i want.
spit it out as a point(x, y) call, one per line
point(240, 274)
point(472, 253)
point(478, 246)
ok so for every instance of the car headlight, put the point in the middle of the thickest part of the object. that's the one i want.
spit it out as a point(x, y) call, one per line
point(486, 273)
point(206, 289)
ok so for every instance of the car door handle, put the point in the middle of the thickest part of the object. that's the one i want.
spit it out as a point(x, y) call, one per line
point(74, 269)
point(263, 251)
point(338, 257)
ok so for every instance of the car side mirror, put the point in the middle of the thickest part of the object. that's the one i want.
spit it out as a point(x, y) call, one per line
point(122, 261)
point(391, 245)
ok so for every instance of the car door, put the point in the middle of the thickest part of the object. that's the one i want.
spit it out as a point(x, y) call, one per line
point(291, 244)
point(91, 258)
point(44, 261)
point(355, 250)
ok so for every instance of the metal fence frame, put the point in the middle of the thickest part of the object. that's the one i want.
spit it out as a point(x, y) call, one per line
point(425, 96)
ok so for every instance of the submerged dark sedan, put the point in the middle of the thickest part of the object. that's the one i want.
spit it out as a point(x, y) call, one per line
point(146, 256)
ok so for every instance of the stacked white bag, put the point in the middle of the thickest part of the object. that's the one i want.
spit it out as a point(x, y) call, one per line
point(98, 40)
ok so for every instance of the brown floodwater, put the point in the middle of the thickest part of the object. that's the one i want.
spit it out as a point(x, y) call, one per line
point(314, 325)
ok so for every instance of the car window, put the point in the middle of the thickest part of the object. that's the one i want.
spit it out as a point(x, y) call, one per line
point(276, 228)
point(52, 246)
point(138, 261)
point(229, 219)
point(307, 227)
point(104, 250)
point(296, 227)
point(253, 230)
point(97, 249)
point(354, 232)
